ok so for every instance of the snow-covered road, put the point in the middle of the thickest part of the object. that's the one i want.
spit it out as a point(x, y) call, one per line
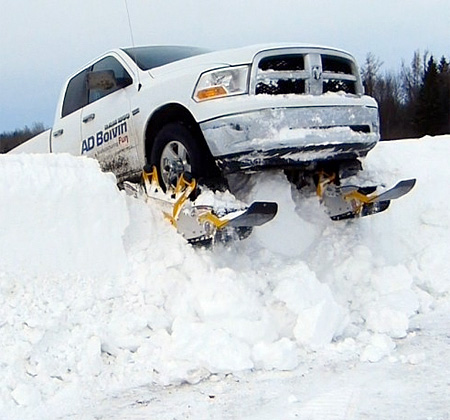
point(105, 312)
point(413, 383)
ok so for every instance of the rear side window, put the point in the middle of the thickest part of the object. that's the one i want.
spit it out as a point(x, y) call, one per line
point(76, 94)
point(123, 79)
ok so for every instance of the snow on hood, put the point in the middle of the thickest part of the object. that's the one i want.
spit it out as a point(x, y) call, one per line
point(100, 294)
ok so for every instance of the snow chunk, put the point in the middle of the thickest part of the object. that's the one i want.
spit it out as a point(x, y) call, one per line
point(319, 317)
point(288, 234)
point(281, 355)
point(213, 348)
point(26, 395)
point(393, 323)
point(379, 347)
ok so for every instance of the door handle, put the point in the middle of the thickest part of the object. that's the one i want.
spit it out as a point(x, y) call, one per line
point(88, 118)
point(58, 133)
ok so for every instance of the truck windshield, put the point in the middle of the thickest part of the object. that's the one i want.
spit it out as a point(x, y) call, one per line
point(150, 57)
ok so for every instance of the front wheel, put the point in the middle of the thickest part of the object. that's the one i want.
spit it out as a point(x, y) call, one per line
point(176, 151)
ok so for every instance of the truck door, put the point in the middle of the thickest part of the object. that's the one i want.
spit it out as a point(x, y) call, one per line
point(66, 133)
point(106, 121)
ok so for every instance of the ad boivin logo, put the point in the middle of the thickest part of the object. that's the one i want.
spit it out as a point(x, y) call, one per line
point(115, 130)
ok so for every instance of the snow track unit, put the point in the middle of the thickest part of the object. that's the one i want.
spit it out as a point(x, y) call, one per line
point(204, 217)
point(199, 215)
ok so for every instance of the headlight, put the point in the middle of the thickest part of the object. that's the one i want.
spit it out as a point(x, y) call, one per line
point(220, 83)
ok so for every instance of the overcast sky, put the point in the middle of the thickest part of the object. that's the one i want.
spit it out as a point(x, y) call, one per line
point(44, 41)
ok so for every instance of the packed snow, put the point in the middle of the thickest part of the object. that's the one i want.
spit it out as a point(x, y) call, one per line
point(106, 312)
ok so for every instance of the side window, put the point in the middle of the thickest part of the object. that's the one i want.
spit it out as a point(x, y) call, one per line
point(76, 94)
point(122, 77)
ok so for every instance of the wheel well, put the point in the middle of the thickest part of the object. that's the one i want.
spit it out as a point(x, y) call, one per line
point(172, 113)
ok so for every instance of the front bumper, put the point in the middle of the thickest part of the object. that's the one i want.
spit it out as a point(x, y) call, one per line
point(290, 137)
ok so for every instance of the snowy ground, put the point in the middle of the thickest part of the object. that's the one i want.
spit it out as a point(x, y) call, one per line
point(105, 312)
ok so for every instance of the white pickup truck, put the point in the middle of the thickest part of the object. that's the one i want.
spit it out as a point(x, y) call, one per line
point(210, 113)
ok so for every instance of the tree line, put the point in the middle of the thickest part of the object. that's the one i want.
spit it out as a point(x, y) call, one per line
point(11, 139)
point(413, 102)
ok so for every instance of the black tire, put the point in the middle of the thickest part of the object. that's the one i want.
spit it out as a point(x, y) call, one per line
point(175, 150)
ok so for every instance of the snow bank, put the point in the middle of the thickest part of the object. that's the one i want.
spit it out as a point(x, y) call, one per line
point(298, 285)
point(59, 214)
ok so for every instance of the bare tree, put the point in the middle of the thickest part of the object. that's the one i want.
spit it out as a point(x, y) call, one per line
point(370, 73)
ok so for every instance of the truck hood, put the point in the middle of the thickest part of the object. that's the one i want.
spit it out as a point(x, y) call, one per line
point(231, 57)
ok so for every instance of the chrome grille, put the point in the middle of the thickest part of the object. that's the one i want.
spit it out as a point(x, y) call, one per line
point(334, 64)
point(311, 73)
point(332, 85)
point(288, 62)
point(281, 87)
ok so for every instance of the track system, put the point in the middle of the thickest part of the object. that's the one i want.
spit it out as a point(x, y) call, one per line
point(198, 214)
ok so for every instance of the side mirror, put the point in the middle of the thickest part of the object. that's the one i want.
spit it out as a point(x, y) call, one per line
point(101, 80)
